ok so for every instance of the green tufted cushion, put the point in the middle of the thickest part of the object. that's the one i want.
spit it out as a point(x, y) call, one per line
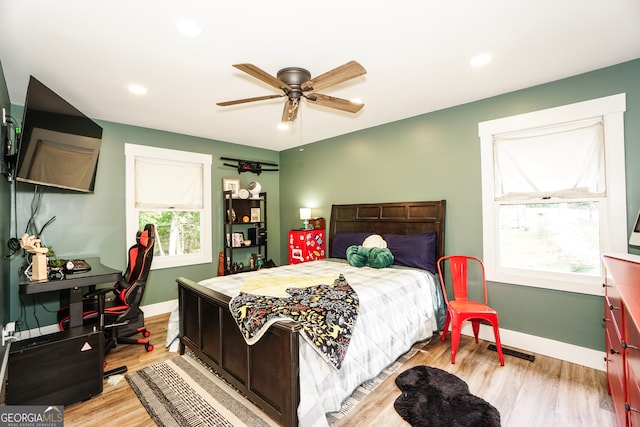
point(380, 257)
point(357, 255)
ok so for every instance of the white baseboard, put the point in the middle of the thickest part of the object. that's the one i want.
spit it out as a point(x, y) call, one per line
point(544, 346)
point(159, 308)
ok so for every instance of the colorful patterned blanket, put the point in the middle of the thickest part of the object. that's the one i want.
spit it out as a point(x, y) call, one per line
point(327, 314)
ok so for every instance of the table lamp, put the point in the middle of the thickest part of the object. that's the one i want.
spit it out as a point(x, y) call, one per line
point(305, 214)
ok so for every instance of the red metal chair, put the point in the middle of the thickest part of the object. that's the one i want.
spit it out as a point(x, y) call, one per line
point(461, 308)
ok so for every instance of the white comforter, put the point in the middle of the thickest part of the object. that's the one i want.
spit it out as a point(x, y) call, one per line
point(398, 307)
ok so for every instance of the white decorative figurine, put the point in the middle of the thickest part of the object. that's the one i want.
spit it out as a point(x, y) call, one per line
point(39, 259)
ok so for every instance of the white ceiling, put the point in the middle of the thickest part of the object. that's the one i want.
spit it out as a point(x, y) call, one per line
point(416, 54)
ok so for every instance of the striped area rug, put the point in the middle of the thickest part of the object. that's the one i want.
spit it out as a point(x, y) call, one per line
point(185, 392)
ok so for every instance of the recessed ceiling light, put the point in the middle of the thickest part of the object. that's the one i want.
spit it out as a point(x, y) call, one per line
point(283, 125)
point(137, 89)
point(188, 27)
point(480, 60)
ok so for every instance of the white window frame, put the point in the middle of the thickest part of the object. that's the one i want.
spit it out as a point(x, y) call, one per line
point(133, 152)
point(613, 212)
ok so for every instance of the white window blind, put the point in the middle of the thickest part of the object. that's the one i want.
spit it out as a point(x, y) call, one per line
point(168, 185)
point(561, 161)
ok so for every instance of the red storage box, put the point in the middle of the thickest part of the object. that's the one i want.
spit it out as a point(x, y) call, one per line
point(306, 245)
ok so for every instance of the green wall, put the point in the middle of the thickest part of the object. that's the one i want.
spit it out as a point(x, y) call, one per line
point(94, 224)
point(428, 157)
point(437, 156)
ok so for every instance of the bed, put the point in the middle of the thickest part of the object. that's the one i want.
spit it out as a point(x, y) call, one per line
point(281, 372)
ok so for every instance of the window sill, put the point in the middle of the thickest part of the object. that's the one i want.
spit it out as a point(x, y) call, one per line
point(588, 285)
point(179, 261)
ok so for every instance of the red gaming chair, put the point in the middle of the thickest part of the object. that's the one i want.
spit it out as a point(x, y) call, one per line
point(121, 317)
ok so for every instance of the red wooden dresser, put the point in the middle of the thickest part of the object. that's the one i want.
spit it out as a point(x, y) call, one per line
point(622, 323)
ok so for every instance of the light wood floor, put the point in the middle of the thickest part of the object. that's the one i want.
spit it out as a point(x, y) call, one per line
point(547, 392)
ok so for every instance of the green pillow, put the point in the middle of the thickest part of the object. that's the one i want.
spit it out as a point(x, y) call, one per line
point(380, 257)
point(357, 255)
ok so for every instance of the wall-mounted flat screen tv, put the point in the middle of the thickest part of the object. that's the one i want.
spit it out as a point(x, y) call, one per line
point(59, 146)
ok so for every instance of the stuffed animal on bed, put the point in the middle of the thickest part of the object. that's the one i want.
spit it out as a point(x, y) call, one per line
point(373, 252)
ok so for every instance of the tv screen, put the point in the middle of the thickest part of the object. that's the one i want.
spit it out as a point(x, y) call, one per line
point(59, 146)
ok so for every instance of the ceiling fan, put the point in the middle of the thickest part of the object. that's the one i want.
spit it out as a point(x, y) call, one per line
point(295, 82)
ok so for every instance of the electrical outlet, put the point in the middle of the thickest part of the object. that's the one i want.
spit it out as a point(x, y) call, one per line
point(8, 331)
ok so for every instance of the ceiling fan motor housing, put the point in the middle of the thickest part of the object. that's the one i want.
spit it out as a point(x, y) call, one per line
point(294, 77)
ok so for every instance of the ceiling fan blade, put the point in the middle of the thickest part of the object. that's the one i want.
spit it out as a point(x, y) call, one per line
point(242, 101)
point(263, 75)
point(340, 74)
point(333, 102)
point(290, 112)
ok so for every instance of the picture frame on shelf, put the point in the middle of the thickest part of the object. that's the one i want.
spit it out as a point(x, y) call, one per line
point(233, 185)
point(255, 215)
point(237, 239)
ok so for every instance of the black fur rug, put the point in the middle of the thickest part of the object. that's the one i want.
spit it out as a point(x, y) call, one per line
point(433, 397)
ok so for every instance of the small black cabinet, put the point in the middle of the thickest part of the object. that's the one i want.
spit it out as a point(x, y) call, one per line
point(245, 232)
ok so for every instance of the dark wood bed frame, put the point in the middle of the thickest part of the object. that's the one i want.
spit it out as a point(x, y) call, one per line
point(267, 372)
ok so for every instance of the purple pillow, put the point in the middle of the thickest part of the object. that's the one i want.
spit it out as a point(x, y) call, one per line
point(414, 250)
point(342, 240)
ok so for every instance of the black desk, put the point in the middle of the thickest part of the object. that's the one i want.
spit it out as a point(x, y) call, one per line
point(73, 283)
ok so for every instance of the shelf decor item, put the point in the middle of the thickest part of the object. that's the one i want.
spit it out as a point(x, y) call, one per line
point(231, 215)
point(231, 184)
point(254, 188)
point(237, 239)
point(255, 214)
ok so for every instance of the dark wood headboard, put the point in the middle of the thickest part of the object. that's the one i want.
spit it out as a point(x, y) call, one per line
point(395, 217)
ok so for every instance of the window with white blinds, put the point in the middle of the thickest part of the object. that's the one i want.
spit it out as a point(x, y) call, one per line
point(553, 194)
point(168, 184)
point(171, 189)
point(561, 161)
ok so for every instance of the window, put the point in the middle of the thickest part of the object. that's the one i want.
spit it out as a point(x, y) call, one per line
point(171, 189)
point(553, 194)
